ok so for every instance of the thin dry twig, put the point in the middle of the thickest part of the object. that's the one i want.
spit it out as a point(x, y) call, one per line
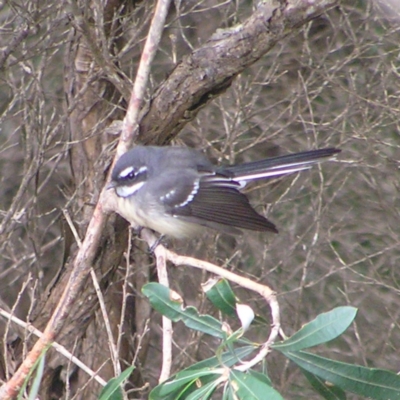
point(161, 261)
point(125, 293)
point(142, 76)
point(61, 349)
point(12, 313)
point(111, 342)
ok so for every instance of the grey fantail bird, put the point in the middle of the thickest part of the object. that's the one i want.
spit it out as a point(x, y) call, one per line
point(176, 190)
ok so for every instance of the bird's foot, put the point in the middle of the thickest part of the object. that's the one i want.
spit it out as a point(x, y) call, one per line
point(156, 243)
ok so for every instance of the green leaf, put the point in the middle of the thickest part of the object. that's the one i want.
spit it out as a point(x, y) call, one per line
point(112, 390)
point(325, 327)
point(160, 299)
point(201, 371)
point(328, 391)
point(204, 392)
point(39, 367)
point(247, 386)
point(34, 390)
point(181, 381)
point(261, 377)
point(228, 394)
point(368, 382)
point(221, 296)
point(228, 359)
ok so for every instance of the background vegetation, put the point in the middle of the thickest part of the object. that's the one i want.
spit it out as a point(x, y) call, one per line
point(66, 71)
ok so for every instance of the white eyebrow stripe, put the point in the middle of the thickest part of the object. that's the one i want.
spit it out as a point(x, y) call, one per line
point(126, 191)
point(125, 172)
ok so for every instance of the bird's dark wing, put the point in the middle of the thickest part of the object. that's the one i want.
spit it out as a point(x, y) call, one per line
point(215, 200)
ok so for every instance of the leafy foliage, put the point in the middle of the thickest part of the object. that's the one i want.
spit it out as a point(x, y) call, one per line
point(328, 377)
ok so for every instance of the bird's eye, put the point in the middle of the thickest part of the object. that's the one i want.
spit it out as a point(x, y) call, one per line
point(131, 175)
point(127, 174)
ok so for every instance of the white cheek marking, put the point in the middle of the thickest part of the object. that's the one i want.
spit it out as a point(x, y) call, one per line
point(126, 191)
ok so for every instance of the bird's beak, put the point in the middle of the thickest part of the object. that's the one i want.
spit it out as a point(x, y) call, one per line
point(111, 185)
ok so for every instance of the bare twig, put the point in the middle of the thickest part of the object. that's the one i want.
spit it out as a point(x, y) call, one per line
point(12, 313)
point(153, 38)
point(125, 293)
point(161, 261)
point(118, 78)
point(267, 293)
point(111, 342)
point(61, 349)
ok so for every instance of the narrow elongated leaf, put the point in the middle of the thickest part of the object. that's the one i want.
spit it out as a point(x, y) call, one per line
point(250, 387)
point(368, 382)
point(112, 391)
point(326, 390)
point(201, 371)
point(228, 394)
point(325, 327)
point(39, 368)
point(228, 359)
point(181, 381)
point(260, 376)
point(204, 392)
point(221, 296)
point(34, 390)
point(161, 300)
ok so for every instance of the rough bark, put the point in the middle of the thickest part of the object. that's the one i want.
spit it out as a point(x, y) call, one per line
point(210, 69)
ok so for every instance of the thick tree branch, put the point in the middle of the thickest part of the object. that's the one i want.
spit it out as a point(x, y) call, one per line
point(210, 69)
